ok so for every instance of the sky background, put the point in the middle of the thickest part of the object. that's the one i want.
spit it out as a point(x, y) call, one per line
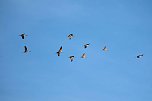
point(124, 26)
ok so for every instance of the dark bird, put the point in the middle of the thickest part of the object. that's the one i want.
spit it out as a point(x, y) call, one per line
point(139, 56)
point(26, 49)
point(23, 35)
point(70, 36)
point(86, 45)
point(59, 51)
point(71, 58)
point(83, 55)
point(105, 49)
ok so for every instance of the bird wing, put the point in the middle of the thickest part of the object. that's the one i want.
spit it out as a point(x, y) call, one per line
point(60, 50)
point(104, 48)
point(25, 49)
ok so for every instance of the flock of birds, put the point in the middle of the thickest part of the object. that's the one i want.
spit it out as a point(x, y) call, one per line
point(23, 35)
point(70, 36)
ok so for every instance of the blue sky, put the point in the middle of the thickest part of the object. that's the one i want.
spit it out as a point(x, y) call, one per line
point(124, 26)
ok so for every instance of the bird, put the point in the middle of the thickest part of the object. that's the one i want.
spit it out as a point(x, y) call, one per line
point(70, 36)
point(86, 45)
point(105, 48)
point(59, 51)
point(26, 49)
point(71, 58)
point(83, 55)
point(23, 35)
point(139, 56)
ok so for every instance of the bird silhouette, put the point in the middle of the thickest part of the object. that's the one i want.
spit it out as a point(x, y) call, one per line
point(23, 35)
point(70, 36)
point(86, 45)
point(59, 51)
point(83, 55)
point(26, 49)
point(139, 56)
point(105, 48)
point(71, 58)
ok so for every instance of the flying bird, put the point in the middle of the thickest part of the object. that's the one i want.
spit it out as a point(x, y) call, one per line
point(71, 58)
point(105, 49)
point(83, 55)
point(86, 45)
point(23, 35)
point(26, 49)
point(59, 51)
point(70, 36)
point(139, 56)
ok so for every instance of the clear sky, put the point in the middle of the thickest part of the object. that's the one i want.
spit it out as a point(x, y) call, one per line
point(124, 26)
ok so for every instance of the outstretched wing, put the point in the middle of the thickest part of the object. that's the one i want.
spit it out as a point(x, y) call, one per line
point(60, 50)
